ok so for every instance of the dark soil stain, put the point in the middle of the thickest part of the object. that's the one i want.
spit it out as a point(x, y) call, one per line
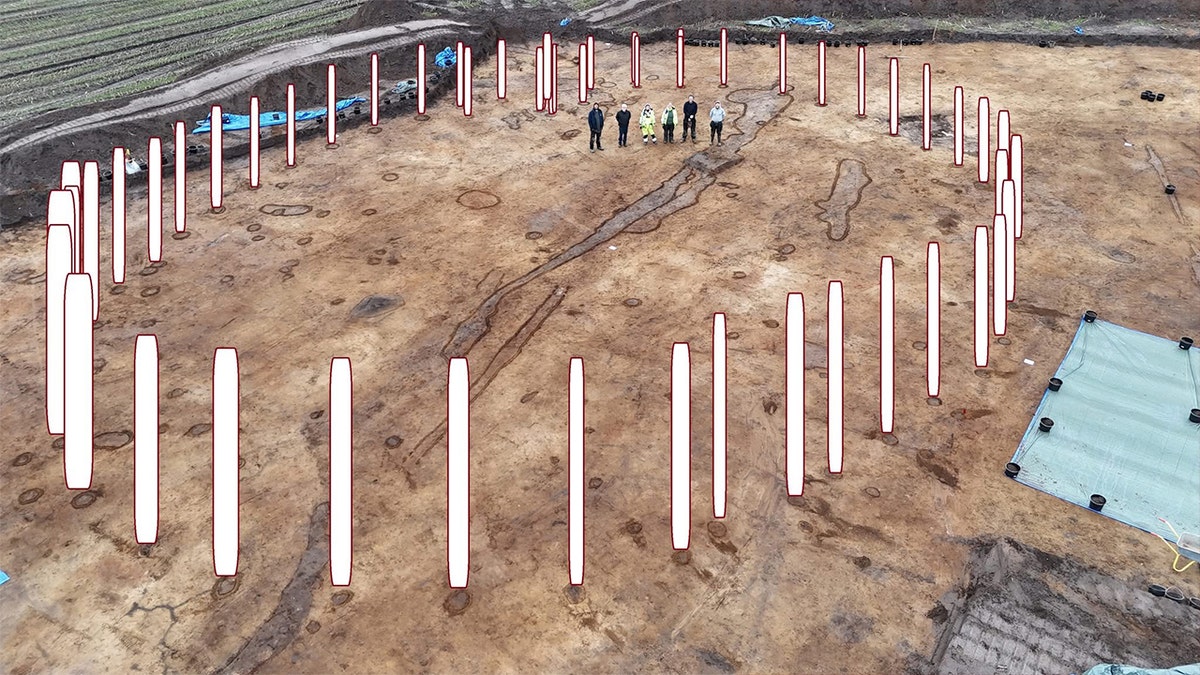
point(376, 305)
point(285, 210)
point(947, 475)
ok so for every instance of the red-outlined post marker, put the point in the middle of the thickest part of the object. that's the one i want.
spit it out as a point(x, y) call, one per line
point(78, 352)
point(681, 446)
point(331, 105)
point(72, 180)
point(720, 405)
point(591, 61)
point(225, 412)
point(820, 72)
point(636, 56)
point(291, 124)
point(547, 50)
point(887, 344)
point(1007, 208)
point(118, 216)
point(58, 266)
point(926, 107)
point(468, 82)
point(180, 177)
point(1003, 132)
point(91, 230)
point(794, 394)
point(154, 208)
point(1017, 172)
point(501, 69)
point(145, 439)
point(724, 57)
point(782, 64)
point(458, 473)
point(837, 381)
point(541, 67)
point(933, 319)
point(422, 84)
point(679, 66)
point(254, 143)
point(341, 470)
point(374, 89)
point(958, 126)
point(985, 132)
point(1001, 172)
point(862, 81)
point(999, 276)
point(981, 296)
point(583, 90)
point(894, 96)
point(575, 458)
point(460, 83)
point(216, 171)
point(554, 79)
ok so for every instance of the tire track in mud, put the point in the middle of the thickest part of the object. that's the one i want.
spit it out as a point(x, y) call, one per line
point(282, 627)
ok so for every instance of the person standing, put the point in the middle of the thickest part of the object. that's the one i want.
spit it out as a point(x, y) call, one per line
point(716, 122)
point(668, 122)
point(689, 117)
point(646, 122)
point(623, 126)
point(596, 124)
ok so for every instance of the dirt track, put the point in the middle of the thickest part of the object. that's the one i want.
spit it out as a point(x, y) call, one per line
point(506, 255)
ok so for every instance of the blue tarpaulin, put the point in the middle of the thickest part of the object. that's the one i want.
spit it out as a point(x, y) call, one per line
point(1113, 669)
point(271, 119)
point(3, 578)
point(446, 58)
point(779, 22)
point(823, 24)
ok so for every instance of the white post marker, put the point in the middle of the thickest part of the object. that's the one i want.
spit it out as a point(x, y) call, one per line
point(291, 124)
point(887, 344)
point(862, 81)
point(78, 419)
point(58, 266)
point(254, 142)
point(591, 62)
point(636, 56)
point(1001, 176)
point(118, 216)
point(985, 131)
point(1002, 130)
point(583, 90)
point(724, 57)
point(421, 83)
point(894, 96)
point(782, 64)
point(794, 394)
point(681, 447)
point(72, 180)
point(145, 439)
point(154, 209)
point(91, 230)
point(836, 377)
point(820, 72)
point(374, 89)
point(341, 469)
point(540, 59)
point(554, 79)
point(926, 105)
point(1008, 208)
point(547, 48)
point(180, 177)
point(981, 296)
point(575, 467)
point(720, 405)
point(458, 70)
point(218, 126)
point(958, 126)
point(933, 320)
point(225, 410)
point(468, 82)
point(458, 473)
point(501, 69)
point(1017, 173)
point(999, 276)
point(331, 105)
point(679, 58)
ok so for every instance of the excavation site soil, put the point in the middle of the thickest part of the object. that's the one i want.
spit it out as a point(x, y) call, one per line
point(501, 238)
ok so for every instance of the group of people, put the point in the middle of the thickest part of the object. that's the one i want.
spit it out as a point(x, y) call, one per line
point(670, 119)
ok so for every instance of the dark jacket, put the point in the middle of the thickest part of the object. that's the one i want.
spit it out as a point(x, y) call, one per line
point(596, 119)
point(623, 118)
point(690, 109)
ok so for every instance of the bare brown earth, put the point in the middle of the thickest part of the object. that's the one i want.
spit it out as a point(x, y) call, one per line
point(511, 244)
